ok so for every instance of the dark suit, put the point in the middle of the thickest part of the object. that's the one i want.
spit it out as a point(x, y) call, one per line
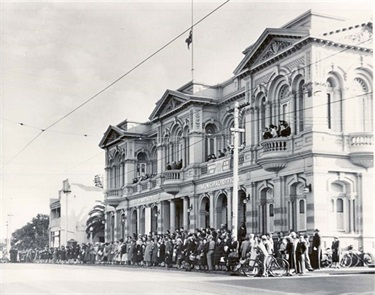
point(316, 251)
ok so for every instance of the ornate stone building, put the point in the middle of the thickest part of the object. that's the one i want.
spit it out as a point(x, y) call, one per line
point(315, 73)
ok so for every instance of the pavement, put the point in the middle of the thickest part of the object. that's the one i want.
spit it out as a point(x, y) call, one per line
point(317, 272)
point(345, 271)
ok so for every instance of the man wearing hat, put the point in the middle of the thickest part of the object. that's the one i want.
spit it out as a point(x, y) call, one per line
point(316, 250)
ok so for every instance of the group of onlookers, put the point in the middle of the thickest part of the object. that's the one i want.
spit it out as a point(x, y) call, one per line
point(283, 130)
point(205, 249)
point(174, 165)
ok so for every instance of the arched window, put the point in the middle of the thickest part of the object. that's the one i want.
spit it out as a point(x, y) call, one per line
point(334, 104)
point(302, 215)
point(340, 214)
point(266, 211)
point(186, 142)
point(141, 164)
point(154, 161)
point(301, 107)
point(210, 140)
point(283, 94)
point(167, 150)
point(364, 105)
point(344, 212)
point(263, 113)
point(340, 206)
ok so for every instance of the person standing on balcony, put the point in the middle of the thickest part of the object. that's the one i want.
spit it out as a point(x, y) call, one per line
point(284, 129)
point(266, 133)
point(273, 131)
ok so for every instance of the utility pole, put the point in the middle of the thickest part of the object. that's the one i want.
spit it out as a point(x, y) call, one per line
point(9, 229)
point(66, 191)
point(236, 130)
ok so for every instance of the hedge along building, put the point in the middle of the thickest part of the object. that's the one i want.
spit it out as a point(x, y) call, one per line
point(315, 73)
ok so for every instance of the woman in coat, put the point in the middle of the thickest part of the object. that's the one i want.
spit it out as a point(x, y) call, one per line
point(335, 253)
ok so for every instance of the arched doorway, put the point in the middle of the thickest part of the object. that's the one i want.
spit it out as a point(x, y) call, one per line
point(134, 223)
point(242, 206)
point(266, 211)
point(204, 212)
point(222, 211)
point(142, 221)
point(154, 219)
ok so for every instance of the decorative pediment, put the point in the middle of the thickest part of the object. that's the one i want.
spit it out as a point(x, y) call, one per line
point(171, 101)
point(172, 104)
point(274, 48)
point(271, 43)
point(111, 135)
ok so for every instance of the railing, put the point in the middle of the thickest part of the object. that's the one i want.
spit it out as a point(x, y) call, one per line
point(204, 169)
point(113, 192)
point(361, 139)
point(172, 175)
point(241, 159)
point(275, 144)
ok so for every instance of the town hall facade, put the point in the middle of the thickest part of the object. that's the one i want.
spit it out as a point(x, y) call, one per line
point(314, 75)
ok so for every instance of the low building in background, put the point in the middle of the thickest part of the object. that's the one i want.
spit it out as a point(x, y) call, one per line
point(69, 213)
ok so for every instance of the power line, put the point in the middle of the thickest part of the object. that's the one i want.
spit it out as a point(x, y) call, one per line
point(114, 82)
point(42, 130)
point(149, 58)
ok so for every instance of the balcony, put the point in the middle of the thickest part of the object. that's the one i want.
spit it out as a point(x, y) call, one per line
point(55, 222)
point(361, 149)
point(274, 154)
point(219, 165)
point(114, 193)
point(172, 181)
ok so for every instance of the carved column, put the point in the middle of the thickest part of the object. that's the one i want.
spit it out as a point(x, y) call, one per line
point(268, 118)
point(257, 132)
point(186, 212)
point(172, 205)
point(212, 210)
point(230, 208)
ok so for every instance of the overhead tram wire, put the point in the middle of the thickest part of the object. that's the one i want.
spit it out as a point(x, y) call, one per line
point(316, 62)
point(114, 82)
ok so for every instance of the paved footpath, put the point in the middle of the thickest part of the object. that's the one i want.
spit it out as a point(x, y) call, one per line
point(55, 279)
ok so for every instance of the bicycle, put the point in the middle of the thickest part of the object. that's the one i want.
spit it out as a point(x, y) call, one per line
point(326, 259)
point(273, 267)
point(354, 258)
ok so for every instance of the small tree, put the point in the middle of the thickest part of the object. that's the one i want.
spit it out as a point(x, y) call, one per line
point(34, 234)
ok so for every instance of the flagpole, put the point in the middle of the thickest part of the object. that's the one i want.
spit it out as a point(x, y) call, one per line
point(192, 43)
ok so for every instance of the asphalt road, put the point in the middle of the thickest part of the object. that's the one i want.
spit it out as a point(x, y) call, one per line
point(79, 279)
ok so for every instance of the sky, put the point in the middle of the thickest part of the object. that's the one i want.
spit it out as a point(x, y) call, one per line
point(57, 57)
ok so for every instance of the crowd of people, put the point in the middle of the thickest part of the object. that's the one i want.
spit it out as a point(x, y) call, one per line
point(283, 130)
point(205, 249)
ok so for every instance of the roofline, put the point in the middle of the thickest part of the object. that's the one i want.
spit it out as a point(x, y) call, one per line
point(310, 12)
